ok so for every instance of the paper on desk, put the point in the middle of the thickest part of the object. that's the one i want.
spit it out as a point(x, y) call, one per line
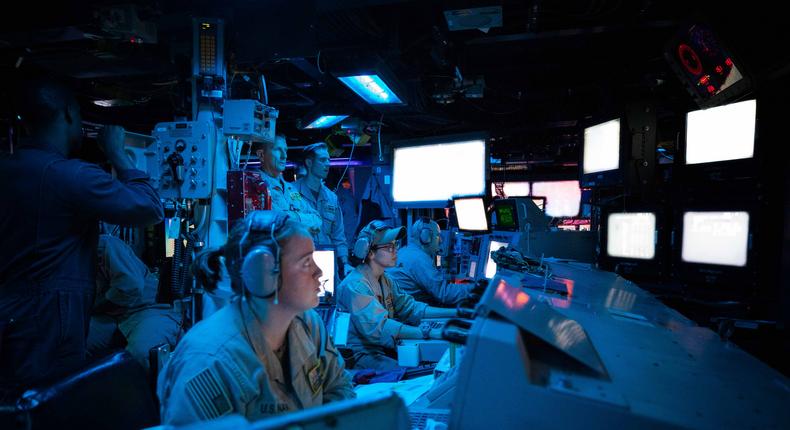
point(409, 390)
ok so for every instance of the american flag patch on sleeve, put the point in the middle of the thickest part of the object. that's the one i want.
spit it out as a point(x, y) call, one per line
point(208, 395)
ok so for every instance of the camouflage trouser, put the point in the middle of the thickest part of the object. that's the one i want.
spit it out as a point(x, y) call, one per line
point(141, 330)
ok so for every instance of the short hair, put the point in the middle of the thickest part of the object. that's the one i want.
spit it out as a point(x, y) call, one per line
point(308, 152)
point(38, 102)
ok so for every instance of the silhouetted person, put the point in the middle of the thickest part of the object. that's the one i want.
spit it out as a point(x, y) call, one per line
point(50, 206)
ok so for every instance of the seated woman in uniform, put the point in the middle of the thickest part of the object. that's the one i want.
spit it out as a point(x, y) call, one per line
point(381, 313)
point(266, 352)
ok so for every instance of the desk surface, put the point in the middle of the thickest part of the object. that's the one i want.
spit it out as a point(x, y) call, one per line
point(659, 363)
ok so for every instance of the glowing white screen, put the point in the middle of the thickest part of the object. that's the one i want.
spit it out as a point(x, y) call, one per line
point(325, 259)
point(439, 172)
point(631, 235)
point(721, 133)
point(511, 189)
point(563, 198)
point(715, 238)
point(602, 147)
point(471, 214)
point(490, 264)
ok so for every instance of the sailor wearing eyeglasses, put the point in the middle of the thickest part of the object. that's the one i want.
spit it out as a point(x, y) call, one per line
point(381, 313)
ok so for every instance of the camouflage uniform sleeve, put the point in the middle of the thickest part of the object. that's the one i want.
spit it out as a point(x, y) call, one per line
point(369, 318)
point(201, 387)
point(407, 309)
point(338, 233)
point(125, 272)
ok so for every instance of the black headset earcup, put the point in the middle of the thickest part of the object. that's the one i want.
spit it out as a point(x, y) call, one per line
point(259, 272)
point(361, 247)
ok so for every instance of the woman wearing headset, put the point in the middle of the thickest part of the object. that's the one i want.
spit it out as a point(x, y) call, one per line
point(266, 352)
point(381, 313)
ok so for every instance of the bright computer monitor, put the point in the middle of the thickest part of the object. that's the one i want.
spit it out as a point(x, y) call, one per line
point(510, 189)
point(471, 214)
point(721, 133)
point(635, 241)
point(601, 153)
point(716, 238)
point(563, 198)
point(429, 173)
point(493, 245)
point(631, 235)
point(325, 259)
point(714, 246)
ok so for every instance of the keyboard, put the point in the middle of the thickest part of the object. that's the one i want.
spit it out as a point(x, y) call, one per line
point(419, 418)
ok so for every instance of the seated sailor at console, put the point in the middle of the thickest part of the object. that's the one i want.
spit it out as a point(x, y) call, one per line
point(266, 352)
point(381, 313)
point(416, 272)
point(125, 304)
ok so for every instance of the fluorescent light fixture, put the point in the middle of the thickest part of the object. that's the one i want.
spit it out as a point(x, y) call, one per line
point(325, 259)
point(631, 235)
point(721, 133)
point(490, 264)
point(112, 103)
point(715, 238)
point(471, 214)
point(371, 88)
point(602, 147)
point(563, 198)
point(326, 121)
point(439, 172)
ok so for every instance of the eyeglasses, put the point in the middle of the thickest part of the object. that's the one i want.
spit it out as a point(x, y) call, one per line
point(391, 247)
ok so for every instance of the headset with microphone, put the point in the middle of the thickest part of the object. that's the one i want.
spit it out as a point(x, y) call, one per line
point(366, 238)
point(260, 269)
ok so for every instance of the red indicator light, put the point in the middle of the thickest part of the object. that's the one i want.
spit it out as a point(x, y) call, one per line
point(711, 89)
point(728, 62)
point(719, 69)
point(704, 80)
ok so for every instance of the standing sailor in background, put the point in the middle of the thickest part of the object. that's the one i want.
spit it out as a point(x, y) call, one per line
point(284, 196)
point(381, 313)
point(323, 201)
point(416, 271)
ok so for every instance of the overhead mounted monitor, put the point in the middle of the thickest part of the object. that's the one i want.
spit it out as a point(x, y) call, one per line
point(602, 147)
point(631, 235)
point(601, 155)
point(563, 198)
point(325, 259)
point(471, 214)
point(430, 175)
point(718, 238)
point(721, 133)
